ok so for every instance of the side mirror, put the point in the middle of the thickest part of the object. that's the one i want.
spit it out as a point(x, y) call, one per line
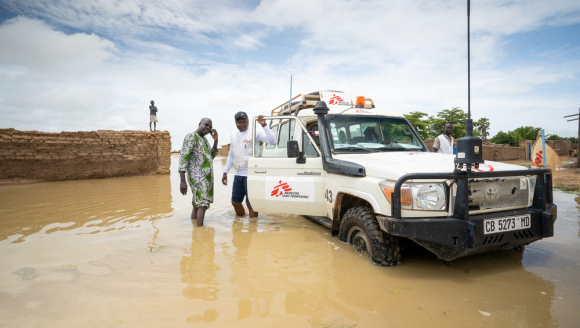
point(292, 149)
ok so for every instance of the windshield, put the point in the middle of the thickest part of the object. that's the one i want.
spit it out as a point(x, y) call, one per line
point(368, 133)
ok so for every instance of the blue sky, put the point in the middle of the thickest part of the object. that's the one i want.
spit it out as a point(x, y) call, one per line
point(71, 65)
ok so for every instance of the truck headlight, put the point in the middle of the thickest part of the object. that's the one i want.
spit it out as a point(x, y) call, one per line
point(418, 196)
point(429, 196)
point(387, 187)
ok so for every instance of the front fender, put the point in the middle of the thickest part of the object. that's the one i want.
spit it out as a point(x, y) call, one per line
point(360, 194)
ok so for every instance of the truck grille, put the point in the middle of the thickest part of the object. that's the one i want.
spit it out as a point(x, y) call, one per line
point(494, 239)
point(523, 234)
point(490, 194)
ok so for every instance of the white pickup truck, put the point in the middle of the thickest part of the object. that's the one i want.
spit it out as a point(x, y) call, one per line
point(365, 174)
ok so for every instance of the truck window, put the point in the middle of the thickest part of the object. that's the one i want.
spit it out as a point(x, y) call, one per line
point(286, 133)
point(355, 131)
point(400, 133)
point(275, 131)
point(339, 134)
point(309, 150)
point(312, 128)
point(277, 150)
point(369, 133)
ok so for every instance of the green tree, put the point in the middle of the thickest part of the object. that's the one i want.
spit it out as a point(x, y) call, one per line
point(455, 115)
point(526, 133)
point(481, 125)
point(514, 137)
point(505, 138)
point(572, 139)
point(421, 125)
point(430, 127)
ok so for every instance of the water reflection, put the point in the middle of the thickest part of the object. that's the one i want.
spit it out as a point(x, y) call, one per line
point(290, 268)
point(95, 205)
point(199, 270)
point(242, 232)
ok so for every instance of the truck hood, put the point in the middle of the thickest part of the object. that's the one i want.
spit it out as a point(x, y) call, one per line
point(392, 165)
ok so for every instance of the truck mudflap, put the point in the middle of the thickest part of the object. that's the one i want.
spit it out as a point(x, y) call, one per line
point(451, 238)
point(463, 234)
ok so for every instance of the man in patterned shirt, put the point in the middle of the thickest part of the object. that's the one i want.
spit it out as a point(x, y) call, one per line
point(197, 160)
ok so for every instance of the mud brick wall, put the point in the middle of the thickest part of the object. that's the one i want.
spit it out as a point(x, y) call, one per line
point(561, 147)
point(504, 152)
point(82, 155)
point(224, 151)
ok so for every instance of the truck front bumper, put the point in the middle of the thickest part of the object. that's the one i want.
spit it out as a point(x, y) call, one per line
point(451, 238)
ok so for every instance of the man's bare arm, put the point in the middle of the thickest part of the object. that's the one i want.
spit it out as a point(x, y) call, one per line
point(183, 184)
point(214, 135)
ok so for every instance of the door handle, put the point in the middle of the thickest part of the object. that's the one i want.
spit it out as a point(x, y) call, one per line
point(259, 171)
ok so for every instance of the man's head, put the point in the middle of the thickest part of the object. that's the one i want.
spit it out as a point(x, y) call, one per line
point(369, 134)
point(241, 121)
point(152, 103)
point(205, 126)
point(342, 137)
point(448, 128)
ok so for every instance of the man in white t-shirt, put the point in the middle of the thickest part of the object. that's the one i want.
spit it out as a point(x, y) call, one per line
point(444, 143)
point(241, 149)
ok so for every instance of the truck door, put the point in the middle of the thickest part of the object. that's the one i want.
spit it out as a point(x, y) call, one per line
point(279, 184)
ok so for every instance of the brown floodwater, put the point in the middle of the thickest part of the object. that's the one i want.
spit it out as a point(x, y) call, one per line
point(123, 252)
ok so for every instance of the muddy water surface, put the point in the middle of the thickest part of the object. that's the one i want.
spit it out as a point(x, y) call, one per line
point(123, 253)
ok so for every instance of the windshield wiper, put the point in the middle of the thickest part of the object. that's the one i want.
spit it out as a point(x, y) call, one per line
point(392, 148)
point(351, 148)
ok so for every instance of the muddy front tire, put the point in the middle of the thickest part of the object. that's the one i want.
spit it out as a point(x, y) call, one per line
point(360, 228)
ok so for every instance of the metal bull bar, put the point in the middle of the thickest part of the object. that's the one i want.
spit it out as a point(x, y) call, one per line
point(542, 192)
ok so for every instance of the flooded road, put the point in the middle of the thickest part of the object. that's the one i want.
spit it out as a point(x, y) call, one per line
point(123, 252)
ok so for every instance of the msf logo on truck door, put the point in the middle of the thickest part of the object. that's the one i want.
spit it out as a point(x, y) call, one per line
point(280, 189)
point(289, 189)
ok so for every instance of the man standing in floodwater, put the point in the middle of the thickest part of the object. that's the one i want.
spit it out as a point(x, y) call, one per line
point(197, 160)
point(153, 116)
point(444, 143)
point(241, 149)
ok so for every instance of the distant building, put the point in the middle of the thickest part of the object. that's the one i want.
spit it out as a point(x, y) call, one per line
point(224, 150)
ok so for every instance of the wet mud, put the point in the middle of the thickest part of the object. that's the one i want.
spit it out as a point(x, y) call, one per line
point(123, 252)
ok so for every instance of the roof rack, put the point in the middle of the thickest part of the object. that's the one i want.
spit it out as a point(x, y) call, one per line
point(303, 101)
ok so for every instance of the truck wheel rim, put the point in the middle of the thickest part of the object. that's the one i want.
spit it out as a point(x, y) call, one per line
point(359, 241)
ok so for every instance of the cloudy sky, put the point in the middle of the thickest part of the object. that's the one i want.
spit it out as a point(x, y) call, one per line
point(72, 65)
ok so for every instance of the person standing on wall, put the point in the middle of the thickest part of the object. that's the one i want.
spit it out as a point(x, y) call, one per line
point(444, 143)
point(241, 149)
point(153, 116)
point(196, 160)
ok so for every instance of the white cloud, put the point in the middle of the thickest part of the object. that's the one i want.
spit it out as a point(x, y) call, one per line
point(42, 52)
point(407, 56)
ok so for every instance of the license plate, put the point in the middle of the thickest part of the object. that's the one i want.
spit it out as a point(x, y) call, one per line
point(506, 224)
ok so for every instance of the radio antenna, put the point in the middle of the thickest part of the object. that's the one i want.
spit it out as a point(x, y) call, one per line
point(290, 101)
point(468, 70)
point(469, 151)
point(347, 73)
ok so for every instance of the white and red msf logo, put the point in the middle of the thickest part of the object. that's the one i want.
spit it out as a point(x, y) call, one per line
point(334, 100)
point(289, 189)
point(280, 189)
